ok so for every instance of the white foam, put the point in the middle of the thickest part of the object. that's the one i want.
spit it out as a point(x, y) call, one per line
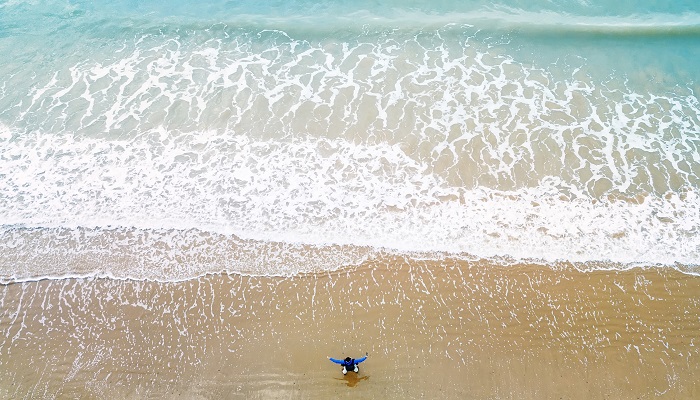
point(323, 193)
point(423, 144)
point(157, 254)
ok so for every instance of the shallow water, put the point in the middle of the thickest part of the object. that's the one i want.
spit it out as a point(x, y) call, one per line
point(553, 132)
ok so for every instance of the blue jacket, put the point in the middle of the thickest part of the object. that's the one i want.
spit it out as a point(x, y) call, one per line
point(349, 363)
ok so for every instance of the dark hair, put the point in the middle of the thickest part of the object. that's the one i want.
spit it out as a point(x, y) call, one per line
point(348, 359)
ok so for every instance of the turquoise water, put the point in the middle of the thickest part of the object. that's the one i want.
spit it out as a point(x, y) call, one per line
point(173, 139)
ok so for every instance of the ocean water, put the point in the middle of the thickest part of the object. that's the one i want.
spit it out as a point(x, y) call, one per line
point(168, 140)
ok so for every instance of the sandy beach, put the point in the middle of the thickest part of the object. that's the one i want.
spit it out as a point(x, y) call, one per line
point(438, 329)
point(494, 199)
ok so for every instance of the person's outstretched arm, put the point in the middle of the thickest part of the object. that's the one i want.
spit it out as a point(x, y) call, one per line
point(334, 360)
point(359, 360)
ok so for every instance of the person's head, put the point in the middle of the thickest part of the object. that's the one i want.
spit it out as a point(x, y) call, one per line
point(348, 359)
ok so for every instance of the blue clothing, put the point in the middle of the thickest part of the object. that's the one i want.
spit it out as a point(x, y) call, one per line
point(348, 363)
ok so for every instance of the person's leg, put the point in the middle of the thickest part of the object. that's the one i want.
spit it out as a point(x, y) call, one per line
point(357, 368)
point(345, 371)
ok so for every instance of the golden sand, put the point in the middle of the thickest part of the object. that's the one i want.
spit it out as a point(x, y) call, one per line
point(447, 329)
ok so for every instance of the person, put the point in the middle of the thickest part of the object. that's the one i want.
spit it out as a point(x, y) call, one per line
point(350, 364)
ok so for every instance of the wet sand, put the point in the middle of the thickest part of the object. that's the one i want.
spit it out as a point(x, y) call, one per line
point(447, 329)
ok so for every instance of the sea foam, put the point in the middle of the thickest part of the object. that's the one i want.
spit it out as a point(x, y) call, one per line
point(400, 141)
point(315, 193)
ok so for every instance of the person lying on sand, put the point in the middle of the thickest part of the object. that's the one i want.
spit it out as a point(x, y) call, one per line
point(350, 364)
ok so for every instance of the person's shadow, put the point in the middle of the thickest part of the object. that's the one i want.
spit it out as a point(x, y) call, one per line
point(352, 379)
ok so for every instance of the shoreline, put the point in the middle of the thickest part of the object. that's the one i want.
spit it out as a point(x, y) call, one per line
point(448, 328)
